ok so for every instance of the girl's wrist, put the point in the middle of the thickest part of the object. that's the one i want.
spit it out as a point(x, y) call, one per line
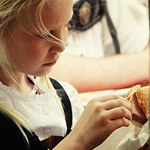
point(72, 142)
point(78, 143)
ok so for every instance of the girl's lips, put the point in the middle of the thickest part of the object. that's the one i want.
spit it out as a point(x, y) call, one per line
point(51, 64)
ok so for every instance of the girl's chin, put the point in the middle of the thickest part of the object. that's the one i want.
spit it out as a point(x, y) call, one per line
point(43, 73)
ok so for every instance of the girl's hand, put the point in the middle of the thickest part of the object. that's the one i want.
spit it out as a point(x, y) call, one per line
point(100, 118)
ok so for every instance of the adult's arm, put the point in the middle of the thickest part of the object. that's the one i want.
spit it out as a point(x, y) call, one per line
point(114, 72)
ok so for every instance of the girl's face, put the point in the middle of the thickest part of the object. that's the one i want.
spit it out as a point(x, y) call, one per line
point(34, 55)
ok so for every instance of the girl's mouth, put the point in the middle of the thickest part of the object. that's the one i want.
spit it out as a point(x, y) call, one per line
point(51, 64)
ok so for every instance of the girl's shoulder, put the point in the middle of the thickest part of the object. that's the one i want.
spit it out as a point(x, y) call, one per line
point(72, 94)
point(68, 87)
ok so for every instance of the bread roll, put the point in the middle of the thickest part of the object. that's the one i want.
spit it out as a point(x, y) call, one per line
point(139, 98)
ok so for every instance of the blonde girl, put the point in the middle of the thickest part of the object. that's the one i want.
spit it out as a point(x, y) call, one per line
point(33, 34)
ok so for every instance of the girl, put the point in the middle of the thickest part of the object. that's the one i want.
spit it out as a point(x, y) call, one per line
point(33, 33)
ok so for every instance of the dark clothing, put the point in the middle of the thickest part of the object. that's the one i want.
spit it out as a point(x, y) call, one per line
point(11, 137)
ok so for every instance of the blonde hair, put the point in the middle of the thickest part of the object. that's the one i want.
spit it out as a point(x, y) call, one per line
point(46, 82)
point(10, 15)
point(11, 12)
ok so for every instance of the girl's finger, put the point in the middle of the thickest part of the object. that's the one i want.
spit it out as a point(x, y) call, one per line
point(117, 103)
point(119, 112)
point(117, 123)
point(108, 98)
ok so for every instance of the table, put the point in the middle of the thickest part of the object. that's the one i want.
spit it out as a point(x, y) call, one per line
point(87, 96)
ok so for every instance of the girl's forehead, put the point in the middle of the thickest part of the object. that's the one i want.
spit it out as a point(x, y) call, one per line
point(58, 13)
point(59, 6)
point(54, 12)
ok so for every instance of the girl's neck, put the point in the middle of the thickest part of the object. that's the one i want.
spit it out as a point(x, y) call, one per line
point(23, 83)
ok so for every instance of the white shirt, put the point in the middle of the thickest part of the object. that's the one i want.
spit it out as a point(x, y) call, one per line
point(130, 19)
point(42, 110)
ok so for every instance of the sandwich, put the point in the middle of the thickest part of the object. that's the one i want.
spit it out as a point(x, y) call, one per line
point(139, 98)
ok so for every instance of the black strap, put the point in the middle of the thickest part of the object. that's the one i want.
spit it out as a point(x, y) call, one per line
point(66, 103)
point(111, 27)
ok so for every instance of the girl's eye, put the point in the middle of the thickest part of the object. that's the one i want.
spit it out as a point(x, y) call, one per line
point(43, 37)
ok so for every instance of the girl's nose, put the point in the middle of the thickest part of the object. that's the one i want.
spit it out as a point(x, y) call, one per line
point(58, 47)
point(60, 44)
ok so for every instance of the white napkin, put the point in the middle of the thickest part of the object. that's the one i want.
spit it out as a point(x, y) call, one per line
point(135, 138)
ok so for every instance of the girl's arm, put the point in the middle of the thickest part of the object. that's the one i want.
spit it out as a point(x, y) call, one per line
point(100, 118)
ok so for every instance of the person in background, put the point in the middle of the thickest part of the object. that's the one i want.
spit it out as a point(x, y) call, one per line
point(90, 57)
point(37, 112)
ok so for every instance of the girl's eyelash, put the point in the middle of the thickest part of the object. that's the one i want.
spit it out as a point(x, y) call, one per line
point(49, 36)
point(43, 37)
